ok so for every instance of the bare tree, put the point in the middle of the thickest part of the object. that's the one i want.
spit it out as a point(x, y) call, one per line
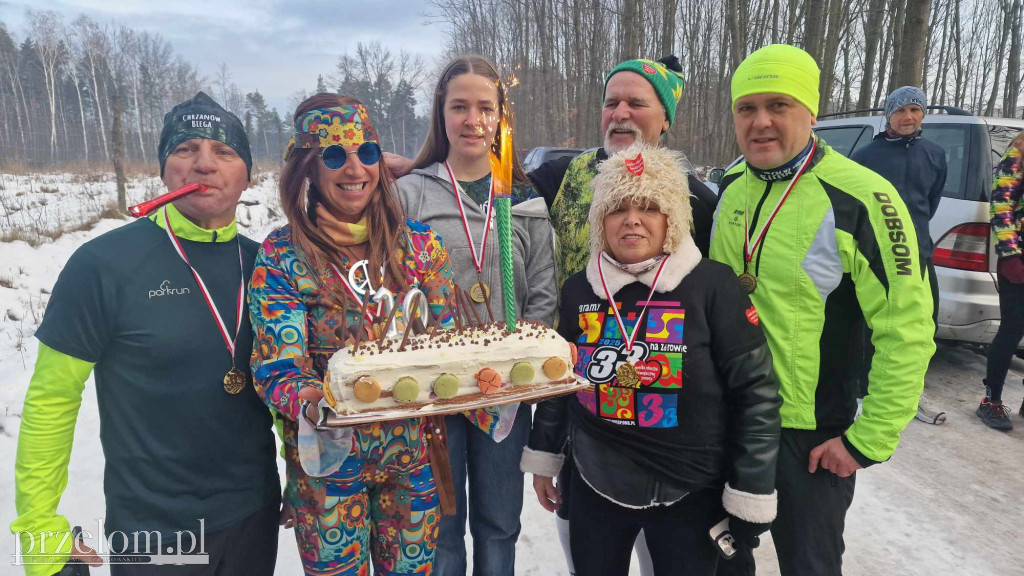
point(910, 68)
point(1011, 88)
point(45, 27)
point(631, 16)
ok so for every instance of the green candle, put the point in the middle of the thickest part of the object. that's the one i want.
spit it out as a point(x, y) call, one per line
point(501, 171)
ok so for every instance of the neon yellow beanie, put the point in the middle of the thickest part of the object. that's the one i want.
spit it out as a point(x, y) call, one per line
point(778, 69)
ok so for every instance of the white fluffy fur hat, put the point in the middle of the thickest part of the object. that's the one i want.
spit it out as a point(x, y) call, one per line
point(662, 182)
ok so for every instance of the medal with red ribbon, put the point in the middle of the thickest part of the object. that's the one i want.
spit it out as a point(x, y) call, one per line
point(479, 292)
point(627, 373)
point(747, 280)
point(235, 380)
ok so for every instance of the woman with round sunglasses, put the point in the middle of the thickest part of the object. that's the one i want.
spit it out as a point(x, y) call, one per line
point(450, 188)
point(346, 238)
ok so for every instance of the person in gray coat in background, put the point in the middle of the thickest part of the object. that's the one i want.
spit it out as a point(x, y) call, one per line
point(450, 189)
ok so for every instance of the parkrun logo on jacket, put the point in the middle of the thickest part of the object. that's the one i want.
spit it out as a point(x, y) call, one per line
point(897, 235)
point(166, 290)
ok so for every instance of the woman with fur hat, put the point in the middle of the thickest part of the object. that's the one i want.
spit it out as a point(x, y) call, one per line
point(680, 429)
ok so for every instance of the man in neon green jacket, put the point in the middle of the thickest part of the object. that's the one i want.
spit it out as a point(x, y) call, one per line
point(185, 448)
point(820, 242)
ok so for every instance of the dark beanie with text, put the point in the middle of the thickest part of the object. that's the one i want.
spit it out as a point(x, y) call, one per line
point(202, 117)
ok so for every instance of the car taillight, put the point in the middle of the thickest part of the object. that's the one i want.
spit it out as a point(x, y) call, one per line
point(965, 247)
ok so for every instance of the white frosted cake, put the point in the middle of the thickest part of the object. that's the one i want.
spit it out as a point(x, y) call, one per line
point(452, 367)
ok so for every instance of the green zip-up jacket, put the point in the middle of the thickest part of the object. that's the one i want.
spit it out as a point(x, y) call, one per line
point(842, 247)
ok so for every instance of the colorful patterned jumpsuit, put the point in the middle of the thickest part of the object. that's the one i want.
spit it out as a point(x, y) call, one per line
point(382, 503)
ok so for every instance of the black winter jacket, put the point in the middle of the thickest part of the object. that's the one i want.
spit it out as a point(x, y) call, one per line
point(706, 410)
point(916, 167)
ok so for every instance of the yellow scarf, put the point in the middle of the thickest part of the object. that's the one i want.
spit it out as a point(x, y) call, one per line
point(343, 233)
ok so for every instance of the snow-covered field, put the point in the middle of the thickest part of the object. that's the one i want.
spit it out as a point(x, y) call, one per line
point(949, 501)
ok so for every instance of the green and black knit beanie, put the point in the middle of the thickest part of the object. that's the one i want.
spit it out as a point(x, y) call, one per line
point(202, 117)
point(664, 74)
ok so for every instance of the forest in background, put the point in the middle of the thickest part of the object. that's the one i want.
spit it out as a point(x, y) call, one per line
point(70, 90)
point(80, 93)
point(964, 53)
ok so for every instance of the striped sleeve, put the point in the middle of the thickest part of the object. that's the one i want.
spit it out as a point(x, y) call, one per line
point(1005, 208)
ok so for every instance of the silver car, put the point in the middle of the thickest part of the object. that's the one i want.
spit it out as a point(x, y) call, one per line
point(964, 257)
point(542, 154)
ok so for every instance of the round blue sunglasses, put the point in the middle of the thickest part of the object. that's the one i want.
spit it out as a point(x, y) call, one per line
point(335, 155)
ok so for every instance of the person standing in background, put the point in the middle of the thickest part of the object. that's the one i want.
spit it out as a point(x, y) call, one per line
point(1007, 210)
point(916, 167)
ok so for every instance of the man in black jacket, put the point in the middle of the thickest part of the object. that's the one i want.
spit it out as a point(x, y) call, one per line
point(916, 167)
point(640, 98)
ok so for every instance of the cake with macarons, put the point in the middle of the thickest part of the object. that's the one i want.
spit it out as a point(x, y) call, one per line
point(447, 368)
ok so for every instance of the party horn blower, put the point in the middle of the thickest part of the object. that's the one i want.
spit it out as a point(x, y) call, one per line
point(501, 170)
point(145, 208)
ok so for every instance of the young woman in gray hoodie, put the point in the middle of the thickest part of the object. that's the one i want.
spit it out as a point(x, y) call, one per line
point(449, 188)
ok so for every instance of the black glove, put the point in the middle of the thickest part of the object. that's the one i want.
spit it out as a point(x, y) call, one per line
point(745, 534)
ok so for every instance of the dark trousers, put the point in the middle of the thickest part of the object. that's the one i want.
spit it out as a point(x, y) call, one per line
point(1004, 345)
point(601, 533)
point(248, 548)
point(808, 530)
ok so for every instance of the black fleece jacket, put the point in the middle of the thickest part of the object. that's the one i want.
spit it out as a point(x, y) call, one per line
point(706, 410)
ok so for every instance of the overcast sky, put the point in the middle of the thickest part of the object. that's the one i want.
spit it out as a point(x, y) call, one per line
point(275, 46)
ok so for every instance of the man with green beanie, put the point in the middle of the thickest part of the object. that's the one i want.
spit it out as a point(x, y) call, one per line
point(819, 242)
point(155, 311)
point(639, 104)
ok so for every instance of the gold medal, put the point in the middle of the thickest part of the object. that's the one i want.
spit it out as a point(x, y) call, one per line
point(748, 281)
point(627, 375)
point(234, 381)
point(480, 292)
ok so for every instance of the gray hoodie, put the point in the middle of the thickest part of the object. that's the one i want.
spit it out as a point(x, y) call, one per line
point(426, 195)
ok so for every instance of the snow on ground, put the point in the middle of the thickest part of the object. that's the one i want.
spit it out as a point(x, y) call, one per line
point(948, 502)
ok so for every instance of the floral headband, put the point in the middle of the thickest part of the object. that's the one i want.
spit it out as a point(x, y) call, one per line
point(340, 125)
